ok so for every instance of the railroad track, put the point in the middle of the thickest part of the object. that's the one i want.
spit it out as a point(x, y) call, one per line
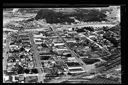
point(109, 66)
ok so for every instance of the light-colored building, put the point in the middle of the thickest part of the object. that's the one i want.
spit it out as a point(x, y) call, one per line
point(72, 32)
point(71, 40)
point(72, 59)
point(5, 77)
point(92, 36)
point(61, 49)
point(89, 77)
point(77, 67)
point(9, 30)
point(38, 35)
point(38, 40)
point(13, 78)
point(58, 44)
point(76, 70)
point(38, 43)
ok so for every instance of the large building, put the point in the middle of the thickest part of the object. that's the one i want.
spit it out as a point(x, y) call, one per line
point(74, 67)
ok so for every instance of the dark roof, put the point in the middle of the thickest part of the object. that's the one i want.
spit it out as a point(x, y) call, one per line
point(78, 69)
point(90, 61)
point(34, 70)
point(72, 64)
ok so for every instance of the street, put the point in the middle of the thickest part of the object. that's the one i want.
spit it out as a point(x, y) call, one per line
point(72, 51)
point(5, 54)
point(36, 57)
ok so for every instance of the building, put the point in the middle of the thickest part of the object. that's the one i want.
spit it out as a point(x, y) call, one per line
point(76, 70)
point(57, 41)
point(61, 49)
point(89, 77)
point(9, 30)
point(38, 40)
point(5, 78)
point(25, 40)
point(71, 40)
point(38, 43)
point(72, 59)
point(71, 32)
point(30, 65)
point(13, 78)
point(74, 67)
point(58, 44)
point(23, 34)
point(45, 57)
point(44, 50)
point(38, 35)
point(36, 30)
point(13, 46)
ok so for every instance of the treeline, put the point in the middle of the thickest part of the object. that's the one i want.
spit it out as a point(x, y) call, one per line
point(90, 15)
point(61, 17)
point(112, 38)
point(53, 17)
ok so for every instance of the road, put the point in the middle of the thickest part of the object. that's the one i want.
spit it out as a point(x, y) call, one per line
point(76, 56)
point(5, 54)
point(72, 51)
point(36, 57)
point(64, 78)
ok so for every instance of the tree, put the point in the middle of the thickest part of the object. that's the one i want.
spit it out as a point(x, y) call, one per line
point(52, 16)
